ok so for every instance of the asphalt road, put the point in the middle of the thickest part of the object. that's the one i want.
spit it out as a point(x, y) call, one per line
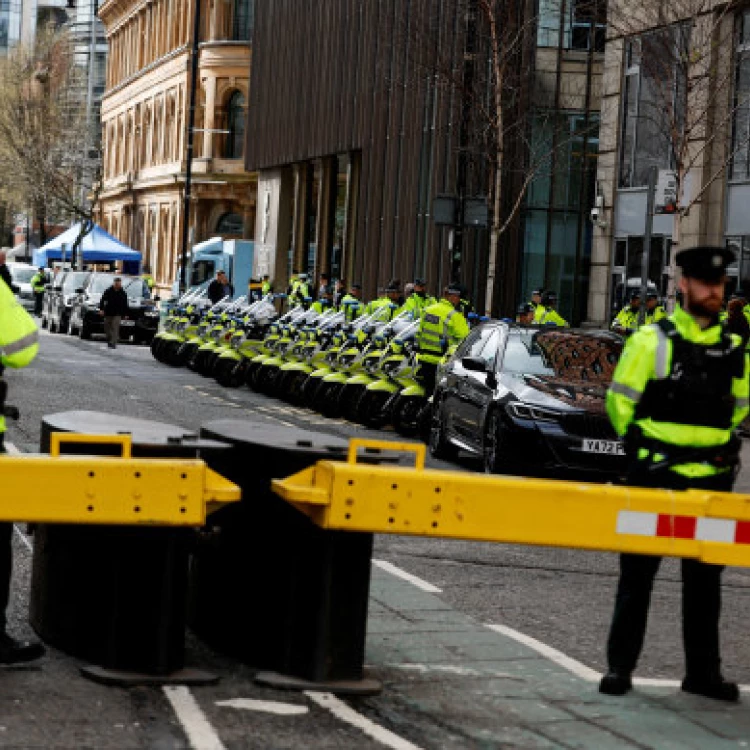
point(560, 597)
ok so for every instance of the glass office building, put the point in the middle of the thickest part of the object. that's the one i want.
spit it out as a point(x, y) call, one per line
point(10, 24)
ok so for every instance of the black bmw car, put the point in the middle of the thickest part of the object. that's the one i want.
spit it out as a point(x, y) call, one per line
point(529, 398)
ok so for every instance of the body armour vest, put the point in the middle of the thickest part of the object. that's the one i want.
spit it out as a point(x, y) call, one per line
point(698, 388)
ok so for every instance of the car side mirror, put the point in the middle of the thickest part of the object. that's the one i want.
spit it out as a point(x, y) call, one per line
point(475, 364)
point(79, 290)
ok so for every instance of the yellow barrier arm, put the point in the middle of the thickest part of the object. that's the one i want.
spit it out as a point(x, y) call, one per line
point(116, 491)
point(709, 526)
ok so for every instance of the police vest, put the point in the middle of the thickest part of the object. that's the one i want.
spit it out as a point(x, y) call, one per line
point(698, 388)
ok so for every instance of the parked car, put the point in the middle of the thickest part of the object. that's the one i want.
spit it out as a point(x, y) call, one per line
point(60, 297)
point(22, 274)
point(141, 322)
point(529, 399)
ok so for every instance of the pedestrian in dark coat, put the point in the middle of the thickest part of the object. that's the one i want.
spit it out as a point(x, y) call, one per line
point(113, 305)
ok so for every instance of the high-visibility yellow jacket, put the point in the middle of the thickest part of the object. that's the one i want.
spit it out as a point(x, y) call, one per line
point(548, 316)
point(416, 305)
point(351, 306)
point(626, 319)
point(19, 337)
point(440, 327)
point(647, 357)
point(38, 282)
point(266, 288)
point(655, 315)
point(376, 304)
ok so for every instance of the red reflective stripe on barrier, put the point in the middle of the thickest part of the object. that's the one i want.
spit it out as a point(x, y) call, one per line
point(676, 527)
point(742, 533)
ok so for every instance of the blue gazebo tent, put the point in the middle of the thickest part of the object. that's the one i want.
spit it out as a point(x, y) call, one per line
point(98, 247)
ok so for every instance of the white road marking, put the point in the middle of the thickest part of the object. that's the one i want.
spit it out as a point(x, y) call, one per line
point(268, 707)
point(346, 713)
point(558, 657)
point(201, 735)
point(455, 669)
point(418, 582)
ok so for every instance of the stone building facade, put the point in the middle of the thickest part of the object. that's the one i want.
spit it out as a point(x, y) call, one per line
point(707, 93)
point(144, 133)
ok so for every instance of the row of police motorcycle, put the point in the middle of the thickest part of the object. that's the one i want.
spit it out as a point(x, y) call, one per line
point(364, 370)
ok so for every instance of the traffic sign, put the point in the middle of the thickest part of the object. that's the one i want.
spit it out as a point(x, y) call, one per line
point(666, 192)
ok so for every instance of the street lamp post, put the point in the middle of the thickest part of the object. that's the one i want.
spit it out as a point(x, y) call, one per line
point(190, 141)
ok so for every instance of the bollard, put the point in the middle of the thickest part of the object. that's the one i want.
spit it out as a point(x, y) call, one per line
point(116, 596)
point(268, 586)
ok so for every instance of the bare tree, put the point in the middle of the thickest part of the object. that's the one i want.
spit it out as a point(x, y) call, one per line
point(510, 131)
point(681, 103)
point(43, 162)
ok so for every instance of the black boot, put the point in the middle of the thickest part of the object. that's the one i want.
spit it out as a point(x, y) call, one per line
point(713, 687)
point(16, 652)
point(615, 683)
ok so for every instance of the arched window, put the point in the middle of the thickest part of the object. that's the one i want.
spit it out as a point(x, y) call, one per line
point(235, 142)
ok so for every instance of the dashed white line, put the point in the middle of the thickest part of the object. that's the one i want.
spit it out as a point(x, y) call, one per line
point(346, 713)
point(414, 580)
point(266, 707)
point(201, 735)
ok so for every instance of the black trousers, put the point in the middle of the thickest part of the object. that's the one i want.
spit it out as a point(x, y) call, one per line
point(38, 299)
point(428, 375)
point(701, 599)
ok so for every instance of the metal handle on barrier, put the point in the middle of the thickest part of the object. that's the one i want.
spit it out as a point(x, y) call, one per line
point(417, 449)
point(57, 439)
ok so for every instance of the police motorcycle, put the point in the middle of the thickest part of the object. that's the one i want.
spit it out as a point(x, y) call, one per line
point(273, 335)
point(364, 370)
point(185, 311)
point(308, 355)
point(284, 349)
point(220, 326)
point(341, 360)
point(235, 356)
point(396, 373)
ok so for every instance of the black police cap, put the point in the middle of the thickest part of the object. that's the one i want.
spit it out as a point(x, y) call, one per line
point(356, 285)
point(705, 262)
point(420, 282)
point(636, 294)
point(454, 289)
point(652, 295)
point(548, 297)
point(525, 309)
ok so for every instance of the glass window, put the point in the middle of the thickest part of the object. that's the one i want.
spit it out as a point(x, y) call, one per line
point(653, 102)
point(235, 140)
point(476, 345)
point(243, 20)
point(230, 224)
point(740, 167)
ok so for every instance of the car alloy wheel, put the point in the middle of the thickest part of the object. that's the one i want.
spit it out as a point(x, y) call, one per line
point(493, 444)
point(439, 446)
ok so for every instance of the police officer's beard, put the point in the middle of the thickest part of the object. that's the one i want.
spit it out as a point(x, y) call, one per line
point(707, 307)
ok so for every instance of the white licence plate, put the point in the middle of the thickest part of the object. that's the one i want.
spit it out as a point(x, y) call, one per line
point(611, 447)
point(127, 322)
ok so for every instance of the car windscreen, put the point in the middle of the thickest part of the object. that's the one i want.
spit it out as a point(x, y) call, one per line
point(74, 281)
point(100, 283)
point(136, 287)
point(22, 275)
point(565, 355)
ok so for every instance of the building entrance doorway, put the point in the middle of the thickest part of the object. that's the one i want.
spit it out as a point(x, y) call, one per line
point(627, 266)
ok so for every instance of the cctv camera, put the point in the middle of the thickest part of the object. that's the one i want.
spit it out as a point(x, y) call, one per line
point(595, 214)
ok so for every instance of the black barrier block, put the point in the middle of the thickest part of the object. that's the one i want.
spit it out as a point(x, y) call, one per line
point(115, 596)
point(268, 586)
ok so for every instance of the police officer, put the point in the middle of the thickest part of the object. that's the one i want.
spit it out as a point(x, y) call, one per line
point(300, 290)
point(545, 313)
point(654, 311)
point(442, 325)
point(38, 282)
point(390, 299)
point(678, 392)
point(626, 321)
point(418, 300)
point(324, 301)
point(525, 314)
point(148, 278)
point(536, 299)
point(18, 346)
point(351, 303)
point(266, 287)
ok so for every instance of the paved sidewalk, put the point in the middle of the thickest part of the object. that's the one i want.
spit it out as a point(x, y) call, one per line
point(462, 685)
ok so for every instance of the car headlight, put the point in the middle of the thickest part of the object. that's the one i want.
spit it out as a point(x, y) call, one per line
point(537, 413)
